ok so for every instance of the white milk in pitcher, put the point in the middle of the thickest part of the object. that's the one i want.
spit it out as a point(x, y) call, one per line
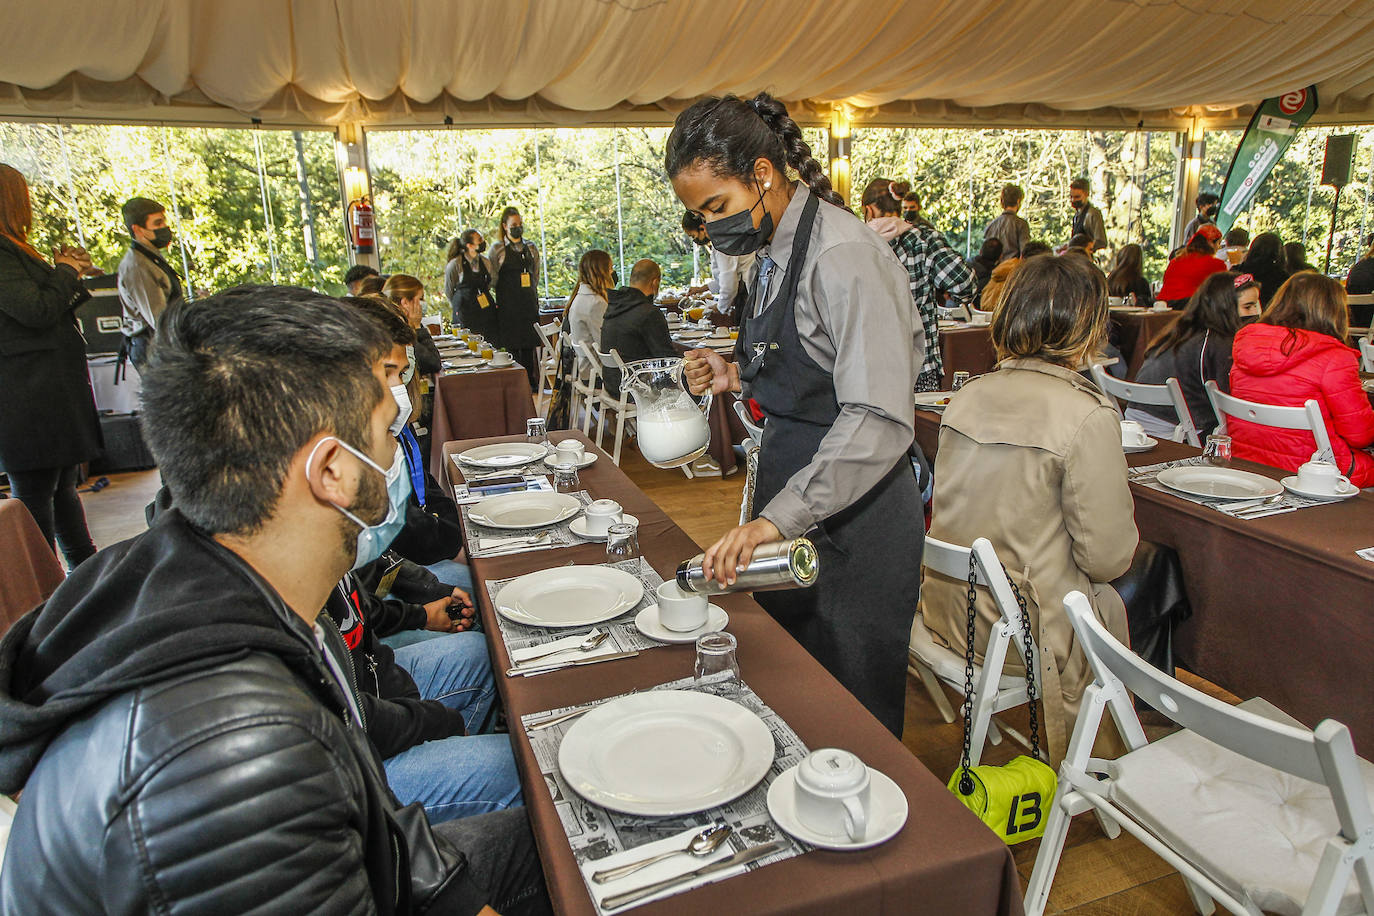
point(672, 438)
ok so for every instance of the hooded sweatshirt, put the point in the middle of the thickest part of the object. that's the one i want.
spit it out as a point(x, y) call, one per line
point(635, 328)
point(1276, 365)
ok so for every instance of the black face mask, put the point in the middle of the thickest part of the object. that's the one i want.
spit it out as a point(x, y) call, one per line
point(162, 237)
point(736, 234)
point(1210, 212)
point(702, 242)
point(911, 216)
point(481, 247)
point(1077, 204)
point(516, 232)
point(615, 278)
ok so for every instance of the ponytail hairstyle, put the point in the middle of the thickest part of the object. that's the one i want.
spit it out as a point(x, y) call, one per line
point(728, 135)
point(505, 215)
point(885, 195)
point(401, 286)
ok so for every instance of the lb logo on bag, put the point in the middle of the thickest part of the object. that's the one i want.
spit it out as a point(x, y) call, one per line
point(1013, 800)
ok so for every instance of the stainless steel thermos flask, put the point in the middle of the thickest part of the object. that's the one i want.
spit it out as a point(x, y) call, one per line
point(781, 564)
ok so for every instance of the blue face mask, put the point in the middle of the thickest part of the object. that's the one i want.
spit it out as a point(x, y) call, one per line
point(373, 540)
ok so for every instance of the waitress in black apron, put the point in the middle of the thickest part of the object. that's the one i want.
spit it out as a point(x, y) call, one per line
point(825, 358)
point(467, 284)
point(516, 265)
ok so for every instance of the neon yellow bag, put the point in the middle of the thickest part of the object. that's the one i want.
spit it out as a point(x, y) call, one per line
point(1013, 800)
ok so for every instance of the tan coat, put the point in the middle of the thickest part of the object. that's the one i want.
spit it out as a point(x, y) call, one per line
point(1030, 458)
point(997, 284)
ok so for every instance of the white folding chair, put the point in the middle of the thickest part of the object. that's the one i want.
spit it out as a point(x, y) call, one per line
point(993, 691)
point(1308, 417)
point(752, 443)
point(1257, 812)
point(586, 385)
point(1366, 354)
point(548, 353)
point(1170, 394)
point(624, 405)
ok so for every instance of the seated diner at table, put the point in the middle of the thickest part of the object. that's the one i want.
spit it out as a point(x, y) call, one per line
point(1061, 516)
point(1185, 273)
point(634, 327)
point(586, 309)
point(1296, 352)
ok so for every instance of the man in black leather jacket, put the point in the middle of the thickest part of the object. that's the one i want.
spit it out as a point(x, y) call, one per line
point(187, 734)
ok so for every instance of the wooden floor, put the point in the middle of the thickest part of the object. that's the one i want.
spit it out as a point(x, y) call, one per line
point(1097, 876)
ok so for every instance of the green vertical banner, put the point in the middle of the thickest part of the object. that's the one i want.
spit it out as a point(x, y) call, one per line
point(1275, 123)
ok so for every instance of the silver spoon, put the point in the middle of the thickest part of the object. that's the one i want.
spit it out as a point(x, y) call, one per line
point(703, 844)
point(593, 639)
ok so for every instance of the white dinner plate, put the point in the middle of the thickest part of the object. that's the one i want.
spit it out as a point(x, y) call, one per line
point(464, 362)
point(1136, 449)
point(503, 454)
point(690, 334)
point(578, 527)
point(569, 596)
point(1292, 484)
point(887, 812)
point(646, 622)
point(1219, 483)
point(930, 400)
point(665, 753)
point(533, 509)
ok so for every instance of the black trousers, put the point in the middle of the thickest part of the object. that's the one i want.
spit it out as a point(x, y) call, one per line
point(50, 495)
point(502, 859)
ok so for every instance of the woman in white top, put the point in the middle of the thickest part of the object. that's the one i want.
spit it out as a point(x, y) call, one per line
point(587, 305)
point(727, 271)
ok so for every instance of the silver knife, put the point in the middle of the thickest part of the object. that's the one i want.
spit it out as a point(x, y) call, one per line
point(739, 858)
point(544, 669)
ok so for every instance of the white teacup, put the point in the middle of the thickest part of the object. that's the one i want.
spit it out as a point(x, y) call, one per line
point(1116, 301)
point(832, 793)
point(570, 451)
point(720, 332)
point(680, 611)
point(1132, 433)
point(1322, 477)
point(1161, 306)
point(501, 358)
point(601, 515)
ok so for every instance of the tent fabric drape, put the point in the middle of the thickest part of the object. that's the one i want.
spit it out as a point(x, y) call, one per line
point(321, 62)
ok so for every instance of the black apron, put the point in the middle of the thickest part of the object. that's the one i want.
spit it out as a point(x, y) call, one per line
point(517, 305)
point(856, 619)
point(473, 286)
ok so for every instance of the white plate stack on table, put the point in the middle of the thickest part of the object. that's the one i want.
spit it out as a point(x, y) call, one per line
point(503, 455)
point(520, 522)
point(933, 400)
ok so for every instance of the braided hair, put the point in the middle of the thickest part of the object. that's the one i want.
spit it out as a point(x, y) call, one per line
point(728, 135)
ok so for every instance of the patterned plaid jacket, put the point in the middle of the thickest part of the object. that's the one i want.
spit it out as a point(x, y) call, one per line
point(933, 267)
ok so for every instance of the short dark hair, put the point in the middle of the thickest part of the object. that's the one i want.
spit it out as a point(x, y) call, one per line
point(1207, 198)
point(136, 211)
point(911, 197)
point(371, 285)
point(1237, 237)
point(691, 222)
point(387, 316)
point(1080, 184)
point(1081, 240)
point(1012, 195)
point(358, 272)
point(1031, 249)
point(237, 383)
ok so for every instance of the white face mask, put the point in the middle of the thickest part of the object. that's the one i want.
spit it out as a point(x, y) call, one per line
point(403, 411)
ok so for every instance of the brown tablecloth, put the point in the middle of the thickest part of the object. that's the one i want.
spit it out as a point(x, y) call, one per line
point(966, 349)
point(943, 861)
point(1280, 604)
point(29, 571)
point(493, 402)
point(1137, 330)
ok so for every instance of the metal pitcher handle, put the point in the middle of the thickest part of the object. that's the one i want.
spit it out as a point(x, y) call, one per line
point(704, 400)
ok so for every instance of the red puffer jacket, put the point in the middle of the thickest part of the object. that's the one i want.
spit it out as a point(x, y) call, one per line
point(1271, 367)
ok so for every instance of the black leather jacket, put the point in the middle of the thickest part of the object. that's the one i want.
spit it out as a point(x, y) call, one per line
point(183, 748)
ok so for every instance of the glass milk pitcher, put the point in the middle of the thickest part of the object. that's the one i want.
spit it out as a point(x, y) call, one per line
point(671, 424)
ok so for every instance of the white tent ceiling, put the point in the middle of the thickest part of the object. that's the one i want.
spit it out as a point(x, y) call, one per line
point(508, 62)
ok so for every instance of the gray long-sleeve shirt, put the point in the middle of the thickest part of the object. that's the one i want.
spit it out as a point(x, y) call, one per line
point(1012, 231)
point(143, 290)
point(854, 316)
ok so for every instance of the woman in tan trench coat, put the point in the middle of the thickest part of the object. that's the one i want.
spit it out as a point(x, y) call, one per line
point(1030, 458)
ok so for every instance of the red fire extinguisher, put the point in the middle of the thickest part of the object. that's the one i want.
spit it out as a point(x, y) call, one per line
point(362, 232)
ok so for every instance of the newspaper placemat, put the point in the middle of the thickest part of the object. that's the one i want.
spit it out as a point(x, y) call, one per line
point(624, 637)
point(595, 833)
point(1148, 475)
point(550, 536)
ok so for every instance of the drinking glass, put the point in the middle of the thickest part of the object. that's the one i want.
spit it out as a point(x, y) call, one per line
point(537, 431)
point(565, 478)
point(1218, 451)
point(959, 381)
point(487, 351)
point(717, 670)
point(622, 542)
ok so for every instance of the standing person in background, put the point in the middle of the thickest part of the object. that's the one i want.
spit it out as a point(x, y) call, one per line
point(354, 277)
point(1236, 245)
point(727, 271)
point(48, 423)
point(147, 283)
point(1207, 206)
point(587, 306)
point(1087, 219)
point(467, 284)
point(1295, 258)
point(1264, 262)
point(1009, 228)
point(911, 205)
point(825, 357)
point(515, 264)
point(932, 268)
point(1128, 276)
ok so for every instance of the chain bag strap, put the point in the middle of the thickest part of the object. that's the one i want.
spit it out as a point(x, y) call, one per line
point(1012, 799)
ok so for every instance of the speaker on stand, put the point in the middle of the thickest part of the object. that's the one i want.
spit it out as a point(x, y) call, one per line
point(1337, 165)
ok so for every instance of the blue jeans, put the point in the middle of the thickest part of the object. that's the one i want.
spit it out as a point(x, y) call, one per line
point(465, 775)
point(449, 572)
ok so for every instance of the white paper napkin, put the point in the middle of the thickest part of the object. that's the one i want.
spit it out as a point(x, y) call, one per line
point(677, 865)
point(567, 642)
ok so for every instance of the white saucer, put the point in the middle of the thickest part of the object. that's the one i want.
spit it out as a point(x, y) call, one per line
point(1136, 449)
point(579, 527)
point(495, 365)
point(1292, 484)
point(887, 810)
point(587, 459)
point(646, 622)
